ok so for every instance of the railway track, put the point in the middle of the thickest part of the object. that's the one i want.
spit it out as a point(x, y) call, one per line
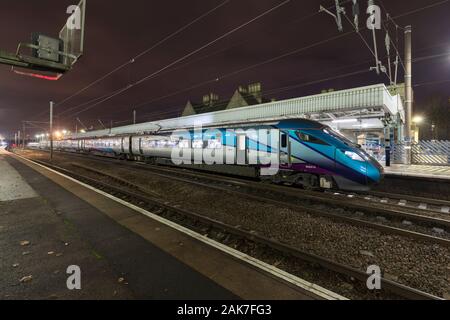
point(426, 205)
point(430, 206)
point(341, 207)
point(138, 197)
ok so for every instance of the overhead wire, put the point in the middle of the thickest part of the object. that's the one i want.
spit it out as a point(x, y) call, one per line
point(235, 45)
point(146, 51)
point(233, 73)
point(209, 81)
point(118, 92)
point(140, 55)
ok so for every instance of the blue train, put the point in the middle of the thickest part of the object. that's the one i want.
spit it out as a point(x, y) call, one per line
point(308, 153)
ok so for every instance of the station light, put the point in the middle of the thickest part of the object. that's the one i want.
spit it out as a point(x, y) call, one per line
point(363, 126)
point(64, 132)
point(418, 119)
point(345, 120)
point(82, 131)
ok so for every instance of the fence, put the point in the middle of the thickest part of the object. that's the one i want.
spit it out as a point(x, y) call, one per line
point(435, 153)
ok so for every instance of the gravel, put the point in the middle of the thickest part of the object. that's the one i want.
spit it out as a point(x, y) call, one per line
point(420, 265)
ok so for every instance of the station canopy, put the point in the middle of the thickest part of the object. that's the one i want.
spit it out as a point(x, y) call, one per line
point(370, 107)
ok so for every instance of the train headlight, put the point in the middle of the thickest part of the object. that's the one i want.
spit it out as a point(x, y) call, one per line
point(354, 156)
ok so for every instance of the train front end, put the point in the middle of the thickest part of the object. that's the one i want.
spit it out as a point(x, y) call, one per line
point(357, 170)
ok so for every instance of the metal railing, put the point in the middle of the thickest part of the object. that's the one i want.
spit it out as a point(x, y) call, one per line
point(432, 153)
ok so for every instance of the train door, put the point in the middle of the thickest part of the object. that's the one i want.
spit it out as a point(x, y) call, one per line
point(285, 149)
point(241, 149)
point(126, 146)
point(130, 145)
point(141, 149)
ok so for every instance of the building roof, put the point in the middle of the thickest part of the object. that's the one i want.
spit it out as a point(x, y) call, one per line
point(251, 99)
point(200, 108)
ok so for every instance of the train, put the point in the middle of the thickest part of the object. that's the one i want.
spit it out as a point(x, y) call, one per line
point(307, 153)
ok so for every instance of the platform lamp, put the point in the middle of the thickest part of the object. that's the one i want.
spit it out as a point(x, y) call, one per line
point(417, 121)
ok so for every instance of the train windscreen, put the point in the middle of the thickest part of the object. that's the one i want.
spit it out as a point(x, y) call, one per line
point(341, 137)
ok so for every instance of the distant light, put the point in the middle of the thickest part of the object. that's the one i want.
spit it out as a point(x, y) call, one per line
point(83, 131)
point(418, 119)
point(345, 120)
point(39, 76)
point(64, 132)
point(364, 126)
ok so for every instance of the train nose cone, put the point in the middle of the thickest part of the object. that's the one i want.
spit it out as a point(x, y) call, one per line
point(374, 173)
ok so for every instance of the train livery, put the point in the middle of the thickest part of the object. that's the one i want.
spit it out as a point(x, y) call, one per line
point(309, 154)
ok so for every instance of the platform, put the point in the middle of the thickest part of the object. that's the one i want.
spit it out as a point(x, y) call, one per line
point(49, 222)
point(419, 171)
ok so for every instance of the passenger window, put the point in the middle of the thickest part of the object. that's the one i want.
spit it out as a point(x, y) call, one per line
point(214, 144)
point(311, 139)
point(183, 144)
point(197, 144)
point(241, 142)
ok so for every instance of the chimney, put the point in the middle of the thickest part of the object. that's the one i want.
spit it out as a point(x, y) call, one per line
point(255, 90)
point(210, 99)
point(242, 90)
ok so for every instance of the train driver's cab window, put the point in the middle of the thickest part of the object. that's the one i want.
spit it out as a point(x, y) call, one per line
point(310, 139)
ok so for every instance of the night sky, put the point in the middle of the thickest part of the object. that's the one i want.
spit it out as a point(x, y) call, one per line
point(119, 30)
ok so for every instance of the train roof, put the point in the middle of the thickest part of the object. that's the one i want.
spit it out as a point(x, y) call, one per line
point(280, 124)
point(299, 124)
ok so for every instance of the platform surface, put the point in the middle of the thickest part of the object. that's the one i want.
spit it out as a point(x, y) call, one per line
point(44, 229)
point(420, 171)
point(12, 185)
point(124, 253)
